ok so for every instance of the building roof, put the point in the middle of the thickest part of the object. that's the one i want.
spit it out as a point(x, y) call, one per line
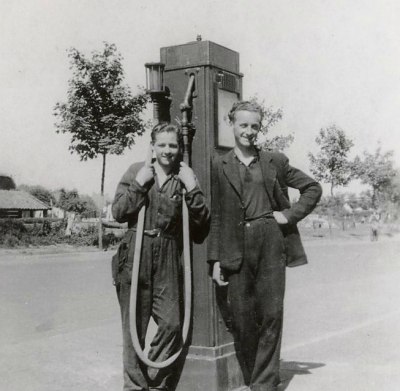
point(18, 199)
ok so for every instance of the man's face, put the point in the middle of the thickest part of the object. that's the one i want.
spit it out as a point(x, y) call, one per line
point(245, 127)
point(166, 148)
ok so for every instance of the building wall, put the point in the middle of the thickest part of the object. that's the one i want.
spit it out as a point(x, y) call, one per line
point(10, 213)
point(15, 213)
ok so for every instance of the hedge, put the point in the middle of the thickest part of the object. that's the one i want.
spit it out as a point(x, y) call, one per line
point(42, 232)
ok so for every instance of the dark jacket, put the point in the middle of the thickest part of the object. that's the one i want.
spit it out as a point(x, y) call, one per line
point(227, 209)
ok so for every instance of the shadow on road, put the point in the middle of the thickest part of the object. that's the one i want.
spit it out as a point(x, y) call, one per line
point(290, 369)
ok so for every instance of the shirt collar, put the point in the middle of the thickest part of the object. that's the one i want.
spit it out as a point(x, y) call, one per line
point(256, 158)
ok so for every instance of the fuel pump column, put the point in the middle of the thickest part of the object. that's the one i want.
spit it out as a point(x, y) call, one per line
point(211, 362)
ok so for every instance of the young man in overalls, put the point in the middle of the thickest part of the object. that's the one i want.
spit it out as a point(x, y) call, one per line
point(160, 186)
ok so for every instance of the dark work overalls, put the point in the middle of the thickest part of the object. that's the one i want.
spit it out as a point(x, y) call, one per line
point(160, 284)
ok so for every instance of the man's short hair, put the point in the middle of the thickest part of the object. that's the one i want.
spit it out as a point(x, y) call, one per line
point(245, 105)
point(167, 127)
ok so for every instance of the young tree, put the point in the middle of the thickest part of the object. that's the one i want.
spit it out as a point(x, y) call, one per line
point(100, 113)
point(376, 170)
point(331, 164)
point(70, 201)
point(365, 199)
point(270, 117)
point(90, 207)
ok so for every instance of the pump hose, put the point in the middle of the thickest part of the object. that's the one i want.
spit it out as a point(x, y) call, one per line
point(134, 285)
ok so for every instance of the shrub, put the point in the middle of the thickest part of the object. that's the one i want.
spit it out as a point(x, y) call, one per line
point(9, 240)
point(10, 228)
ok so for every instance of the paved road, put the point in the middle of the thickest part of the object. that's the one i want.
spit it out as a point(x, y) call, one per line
point(60, 329)
point(342, 318)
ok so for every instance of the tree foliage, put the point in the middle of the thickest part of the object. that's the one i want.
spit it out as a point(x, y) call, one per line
point(331, 164)
point(40, 193)
point(394, 189)
point(72, 201)
point(271, 117)
point(6, 182)
point(376, 170)
point(90, 206)
point(101, 114)
point(365, 199)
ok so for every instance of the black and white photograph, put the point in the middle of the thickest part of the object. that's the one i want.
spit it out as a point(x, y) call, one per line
point(199, 196)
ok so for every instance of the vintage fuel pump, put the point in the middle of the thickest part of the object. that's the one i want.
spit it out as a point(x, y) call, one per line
point(197, 83)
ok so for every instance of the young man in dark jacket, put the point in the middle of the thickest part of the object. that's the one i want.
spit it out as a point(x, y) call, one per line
point(253, 237)
point(160, 186)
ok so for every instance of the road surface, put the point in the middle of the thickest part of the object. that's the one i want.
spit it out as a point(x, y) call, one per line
point(60, 326)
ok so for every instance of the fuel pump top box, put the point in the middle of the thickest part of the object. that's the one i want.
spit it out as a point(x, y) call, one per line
point(218, 85)
point(200, 53)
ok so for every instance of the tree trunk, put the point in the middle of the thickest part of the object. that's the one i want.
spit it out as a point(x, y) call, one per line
point(374, 203)
point(332, 186)
point(70, 224)
point(330, 223)
point(103, 172)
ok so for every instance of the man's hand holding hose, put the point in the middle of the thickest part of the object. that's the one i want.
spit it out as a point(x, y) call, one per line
point(146, 173)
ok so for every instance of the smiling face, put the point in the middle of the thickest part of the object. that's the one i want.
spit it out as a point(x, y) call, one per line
point(246, 125)
point(166, 148)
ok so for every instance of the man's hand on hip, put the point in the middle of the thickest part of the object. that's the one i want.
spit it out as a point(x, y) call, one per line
point(280, 217)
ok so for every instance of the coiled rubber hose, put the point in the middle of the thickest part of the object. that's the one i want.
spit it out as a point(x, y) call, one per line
point(134, 285)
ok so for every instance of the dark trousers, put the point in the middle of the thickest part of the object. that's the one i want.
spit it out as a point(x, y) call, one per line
point(159, 295)
point(255, 299)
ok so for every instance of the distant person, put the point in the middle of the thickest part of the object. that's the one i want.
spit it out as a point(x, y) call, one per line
point(253, 237)
point(160, 186)
point(374, 224)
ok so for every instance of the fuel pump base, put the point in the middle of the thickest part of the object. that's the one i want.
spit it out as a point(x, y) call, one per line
point(211, 368)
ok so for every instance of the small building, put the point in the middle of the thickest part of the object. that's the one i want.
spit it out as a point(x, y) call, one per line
point(17, 203)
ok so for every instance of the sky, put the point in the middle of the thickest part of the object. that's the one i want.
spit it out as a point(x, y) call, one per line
point(322, 62)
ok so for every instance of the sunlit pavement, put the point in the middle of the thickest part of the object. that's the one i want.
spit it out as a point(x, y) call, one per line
point(60, 323)
point(60, 326)
point(342, 318)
